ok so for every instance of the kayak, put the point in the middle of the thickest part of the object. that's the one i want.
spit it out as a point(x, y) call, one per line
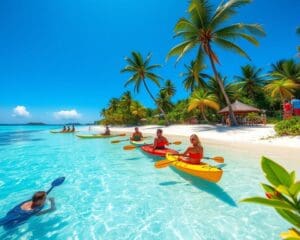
point(90, 136)
point(59, 131)
point(203, 171)
point(137, 143)
point(157, 152)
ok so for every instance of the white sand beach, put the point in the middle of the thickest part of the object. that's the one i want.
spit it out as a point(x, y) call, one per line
point(258, 140)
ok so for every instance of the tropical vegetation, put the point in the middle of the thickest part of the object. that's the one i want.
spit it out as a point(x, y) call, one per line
point(202, 30)
point(283, 194)
point(288, 127)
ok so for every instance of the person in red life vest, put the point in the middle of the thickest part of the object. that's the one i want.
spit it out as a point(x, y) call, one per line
point(194, 153)
point(160, 141)
point(287, 110)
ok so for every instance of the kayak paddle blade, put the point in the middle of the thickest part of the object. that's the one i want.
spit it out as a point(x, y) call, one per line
point(163, 163)
point(218, 159)
point(176, 142)
point(58, 181)
point(129, 147)
point(122, 134)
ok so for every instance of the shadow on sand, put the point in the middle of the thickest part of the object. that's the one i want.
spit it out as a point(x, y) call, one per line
point(208, 187)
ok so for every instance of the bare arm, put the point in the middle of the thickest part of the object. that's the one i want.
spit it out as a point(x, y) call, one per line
point(51, 209)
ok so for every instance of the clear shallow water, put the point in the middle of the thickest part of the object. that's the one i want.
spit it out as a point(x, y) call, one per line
point(114, 194)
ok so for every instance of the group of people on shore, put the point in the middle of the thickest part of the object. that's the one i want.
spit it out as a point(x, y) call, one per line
point(291, 108)
point(192, 154)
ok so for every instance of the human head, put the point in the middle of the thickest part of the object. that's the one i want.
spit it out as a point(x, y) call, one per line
point(195, 140)
point(159, 132)
point(136, 129)
point(38, 199)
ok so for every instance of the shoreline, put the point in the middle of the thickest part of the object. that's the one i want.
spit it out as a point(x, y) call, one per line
point(256, 140)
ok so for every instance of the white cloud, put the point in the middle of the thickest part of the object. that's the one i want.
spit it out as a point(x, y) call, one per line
point(20, 111)
point(67, 114)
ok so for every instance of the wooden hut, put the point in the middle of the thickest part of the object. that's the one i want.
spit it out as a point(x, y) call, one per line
point(241, 111)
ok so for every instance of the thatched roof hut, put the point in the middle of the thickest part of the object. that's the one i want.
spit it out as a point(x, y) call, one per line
point(239, 108)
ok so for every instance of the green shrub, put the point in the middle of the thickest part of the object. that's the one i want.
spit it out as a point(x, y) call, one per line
point(288, 127)
point(283, 194)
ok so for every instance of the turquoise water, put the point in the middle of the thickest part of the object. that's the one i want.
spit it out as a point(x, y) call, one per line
point(114, 194)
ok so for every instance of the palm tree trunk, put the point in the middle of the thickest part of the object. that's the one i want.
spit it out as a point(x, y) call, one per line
point(159, 107)
point(203, 114)
point(231, 113)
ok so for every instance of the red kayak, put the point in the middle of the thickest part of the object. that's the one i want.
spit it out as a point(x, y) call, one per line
point(157, 152)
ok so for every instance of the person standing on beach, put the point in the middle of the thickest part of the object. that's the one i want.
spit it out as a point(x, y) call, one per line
point(194, 153)
point(137, 135)
point(287, 110)
point(160, 141)
point(107, 131)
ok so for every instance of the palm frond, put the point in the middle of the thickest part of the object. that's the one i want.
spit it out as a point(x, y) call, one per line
point(231, 46)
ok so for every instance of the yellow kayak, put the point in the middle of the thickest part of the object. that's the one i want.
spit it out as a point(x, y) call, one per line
point(204, 171)
point(60, 131)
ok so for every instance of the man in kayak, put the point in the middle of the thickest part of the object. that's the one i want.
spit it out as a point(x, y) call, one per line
point(160, 141)
point(64, 129)
point(107, 131)
point(37, 203)
point(137, 135)
point(73, 128)
point(194, 153)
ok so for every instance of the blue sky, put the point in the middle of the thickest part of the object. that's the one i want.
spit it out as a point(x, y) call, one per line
point(61, 58)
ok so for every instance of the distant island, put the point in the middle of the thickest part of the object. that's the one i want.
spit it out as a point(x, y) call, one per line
point(36, 123)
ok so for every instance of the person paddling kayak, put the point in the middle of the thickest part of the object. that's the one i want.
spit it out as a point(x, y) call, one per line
point(194, 153)
point(137, 135)
point(37, 203)
point(107, 131)
point(160, 141)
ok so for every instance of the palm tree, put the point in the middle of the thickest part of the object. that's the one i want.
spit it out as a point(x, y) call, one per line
point(169, 88)
point(163, 100)
point(251, 81)
point(137, 110)
point(113, 104)
point(142, 70)
point(202, 99)
point(286, 70)
point(282, 89)
point(205, 27)
point(194, 78)
point(214, 87)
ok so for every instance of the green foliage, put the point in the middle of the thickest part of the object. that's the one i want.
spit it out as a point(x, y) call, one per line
point(283, 194)
point(288, 127)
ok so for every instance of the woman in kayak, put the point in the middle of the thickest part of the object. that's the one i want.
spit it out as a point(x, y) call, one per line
point(64, 129)
point(37, 203)
point(194, 153)
point(137, 135)
point(107, 131)
point(73, 128)
point(160, 141)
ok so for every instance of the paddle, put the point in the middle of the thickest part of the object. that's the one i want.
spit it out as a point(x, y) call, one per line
point(167, 162)
point(131, 147)
point(117, 141)
point(56, 183)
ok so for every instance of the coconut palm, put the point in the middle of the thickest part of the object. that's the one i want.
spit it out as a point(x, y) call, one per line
point(137, 110)
point(164, 101)
point(282, 89)
point(285, 69)
point(205, 27)
point(202, 99)
point(194, 78)
point(214, 87)
point(142, 70)
point(113, 104)
point(169, 88)
point(251, 81)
